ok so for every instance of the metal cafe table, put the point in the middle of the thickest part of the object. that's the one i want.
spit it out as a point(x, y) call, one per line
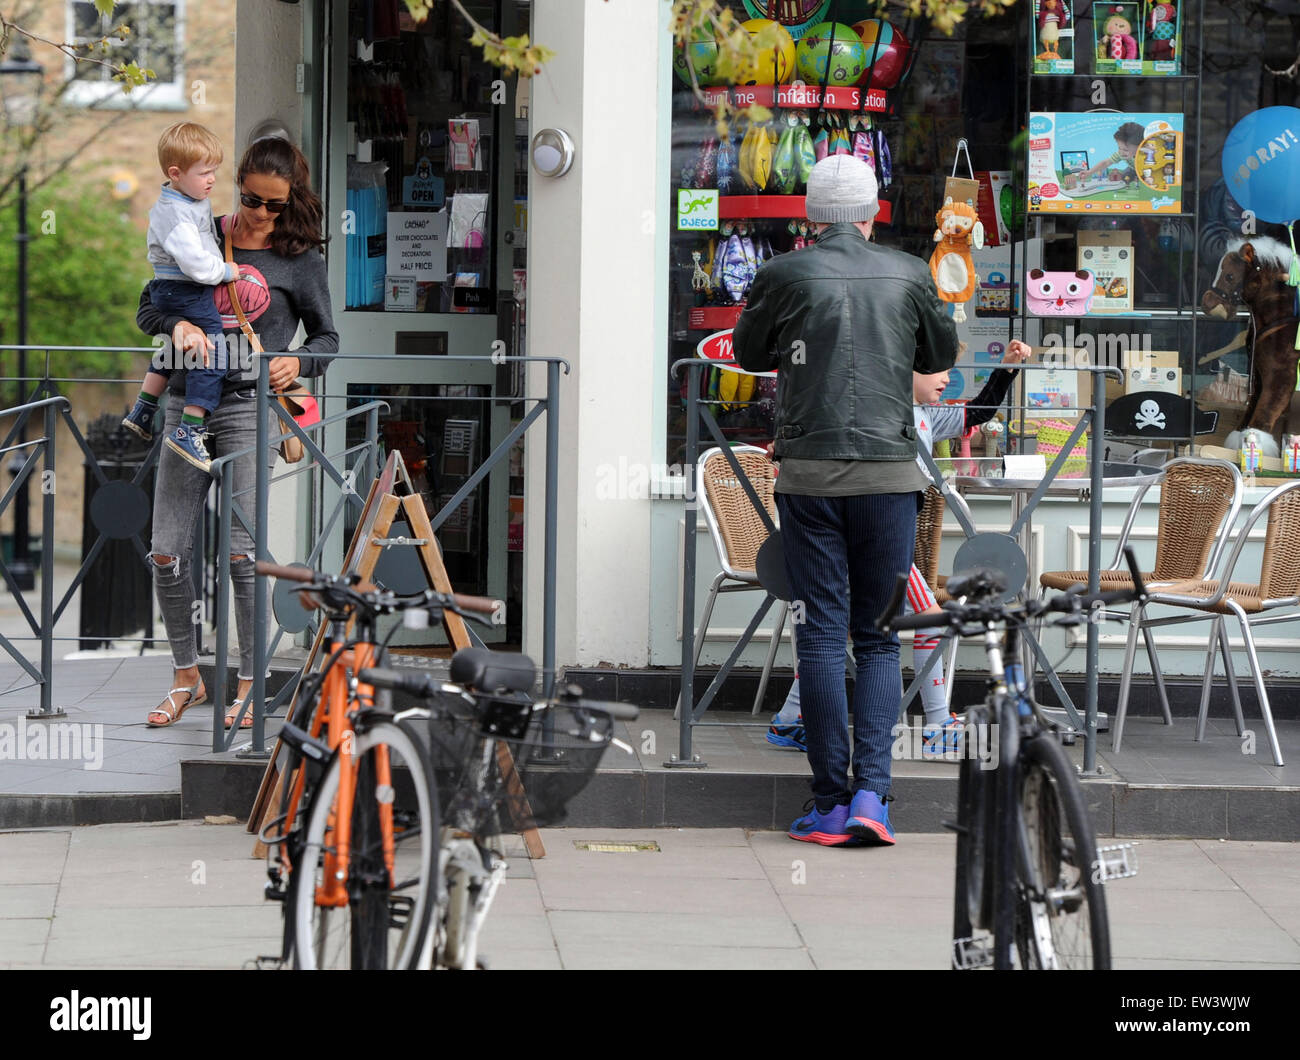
point(1011, 552)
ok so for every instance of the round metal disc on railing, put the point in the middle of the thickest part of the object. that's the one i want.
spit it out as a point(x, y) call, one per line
point(287, 606)
point(119, 510)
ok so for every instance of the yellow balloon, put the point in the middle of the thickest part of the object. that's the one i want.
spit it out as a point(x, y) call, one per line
point(775, 61)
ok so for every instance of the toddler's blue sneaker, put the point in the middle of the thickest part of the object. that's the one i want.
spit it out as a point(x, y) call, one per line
point(791, 736)
point(139, 421)
point(824, 828)
point(868, 819)
point(191, 444)
point(942, 743)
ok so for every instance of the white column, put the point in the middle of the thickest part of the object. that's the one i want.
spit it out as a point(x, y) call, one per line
point(592, 278)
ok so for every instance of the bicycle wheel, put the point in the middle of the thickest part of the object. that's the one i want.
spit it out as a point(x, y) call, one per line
point(973, 897)
point(1061, 910)
point(386, 917)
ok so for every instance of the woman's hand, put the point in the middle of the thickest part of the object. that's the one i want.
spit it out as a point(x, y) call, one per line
point(284, 370)
point(187, 337)
point(1017, 352)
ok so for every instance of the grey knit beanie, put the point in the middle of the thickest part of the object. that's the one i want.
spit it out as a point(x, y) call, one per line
point(841, 188)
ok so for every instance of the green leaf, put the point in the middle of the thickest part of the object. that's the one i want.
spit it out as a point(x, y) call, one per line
point(105, 7)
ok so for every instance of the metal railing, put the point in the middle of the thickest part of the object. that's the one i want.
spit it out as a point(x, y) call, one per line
point(353, 483)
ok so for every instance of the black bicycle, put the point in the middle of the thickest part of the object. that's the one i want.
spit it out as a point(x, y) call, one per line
point(1028, 874)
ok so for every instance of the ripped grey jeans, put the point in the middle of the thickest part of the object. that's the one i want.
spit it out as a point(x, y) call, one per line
point(179, 495)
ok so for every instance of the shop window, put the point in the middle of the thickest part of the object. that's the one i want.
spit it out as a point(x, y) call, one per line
point(1229, 61)
point(156, 42)
point(429, 128)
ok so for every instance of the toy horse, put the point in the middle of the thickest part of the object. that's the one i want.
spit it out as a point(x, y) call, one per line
point(1254, 272)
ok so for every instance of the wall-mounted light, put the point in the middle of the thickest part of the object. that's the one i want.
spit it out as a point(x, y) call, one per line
point(552, 152)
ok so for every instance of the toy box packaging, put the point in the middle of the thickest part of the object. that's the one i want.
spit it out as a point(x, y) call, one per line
point(1109, 257)
point(1117, 37)
point(1153, 370)
point(1162, 38)
point(1105, 163)
point(1052, 40)
point(995, 219)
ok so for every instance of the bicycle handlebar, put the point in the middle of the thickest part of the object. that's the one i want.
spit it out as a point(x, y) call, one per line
point(985, 584)
point(457, 602)
point(425, 686)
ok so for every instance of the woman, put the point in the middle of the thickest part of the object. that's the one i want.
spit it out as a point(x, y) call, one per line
point(276, 235)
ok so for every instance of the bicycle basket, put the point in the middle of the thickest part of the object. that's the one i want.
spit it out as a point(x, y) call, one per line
point(490, 785)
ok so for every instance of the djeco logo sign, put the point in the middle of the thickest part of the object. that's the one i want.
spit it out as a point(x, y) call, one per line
point(697, 209)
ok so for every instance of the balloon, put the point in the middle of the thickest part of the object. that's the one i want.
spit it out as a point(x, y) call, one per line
point(835, 45)
point(703, 51)
point(890, 48)
point(1261, 163)
point(775, 62)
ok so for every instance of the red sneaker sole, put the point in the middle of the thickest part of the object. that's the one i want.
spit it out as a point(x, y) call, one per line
point(825, 839)
point(870, 831)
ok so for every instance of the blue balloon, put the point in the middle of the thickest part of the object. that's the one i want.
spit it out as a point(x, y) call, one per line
point(1261, 163)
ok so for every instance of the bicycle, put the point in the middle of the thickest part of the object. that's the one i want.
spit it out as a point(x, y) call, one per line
point(503, 763)
point(1028, 871)
point(354, 845)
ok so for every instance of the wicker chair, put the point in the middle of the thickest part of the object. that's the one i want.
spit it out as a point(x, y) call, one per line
point(738, 532)
point(1274, 598)
point(1199, 502)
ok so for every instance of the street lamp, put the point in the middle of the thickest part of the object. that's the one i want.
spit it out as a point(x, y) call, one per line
point(18, 63)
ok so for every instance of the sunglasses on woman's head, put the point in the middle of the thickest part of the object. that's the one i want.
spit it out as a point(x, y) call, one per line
point(272, 205)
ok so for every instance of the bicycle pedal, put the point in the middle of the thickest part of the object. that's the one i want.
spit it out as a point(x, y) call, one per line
point(1117, 862)
point(972, 953)
point(400, 907)
point(269, 964)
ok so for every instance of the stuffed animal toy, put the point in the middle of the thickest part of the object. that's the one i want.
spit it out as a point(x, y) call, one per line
point(1118, 39)
point(1162, 29)
point(951, 264)
point(1052, 17)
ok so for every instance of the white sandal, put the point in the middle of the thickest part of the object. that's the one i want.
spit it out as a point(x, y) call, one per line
point(173, 715)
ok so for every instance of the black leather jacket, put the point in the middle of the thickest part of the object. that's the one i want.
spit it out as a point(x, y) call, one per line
point(846, 322)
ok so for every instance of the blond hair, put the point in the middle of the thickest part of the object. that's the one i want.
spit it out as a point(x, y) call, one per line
point(185, 143)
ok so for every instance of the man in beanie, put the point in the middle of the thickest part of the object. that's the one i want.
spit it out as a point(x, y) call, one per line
point(846, 322)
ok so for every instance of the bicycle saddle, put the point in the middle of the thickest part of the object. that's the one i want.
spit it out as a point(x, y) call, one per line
point(489, 671)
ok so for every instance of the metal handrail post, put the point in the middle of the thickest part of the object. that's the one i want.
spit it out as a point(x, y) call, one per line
point(48, 485)
point(1094, 567)
point(552, 509)
point(686, 708)
point(260, 516)
point(225, 509)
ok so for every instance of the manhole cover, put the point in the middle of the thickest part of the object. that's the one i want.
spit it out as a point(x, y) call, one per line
point(597, 847)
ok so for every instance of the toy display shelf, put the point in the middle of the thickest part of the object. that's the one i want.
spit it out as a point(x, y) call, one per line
point(762, 207)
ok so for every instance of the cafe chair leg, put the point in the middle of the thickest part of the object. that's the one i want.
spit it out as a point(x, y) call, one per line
point(1259, 681)
point(771, 655)
point(1214, 643)
point(1126, 679)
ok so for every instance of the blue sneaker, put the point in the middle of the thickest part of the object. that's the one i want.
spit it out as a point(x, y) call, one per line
point(868, 819)
point(191, 444)
point(824, 828)
point(791, 736)
point(942, 743)
point(139, 421)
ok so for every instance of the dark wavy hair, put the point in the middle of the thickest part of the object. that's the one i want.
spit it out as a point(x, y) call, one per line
point(299, 226)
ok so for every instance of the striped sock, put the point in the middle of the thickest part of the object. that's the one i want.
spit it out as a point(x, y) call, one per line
point(934, 693)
